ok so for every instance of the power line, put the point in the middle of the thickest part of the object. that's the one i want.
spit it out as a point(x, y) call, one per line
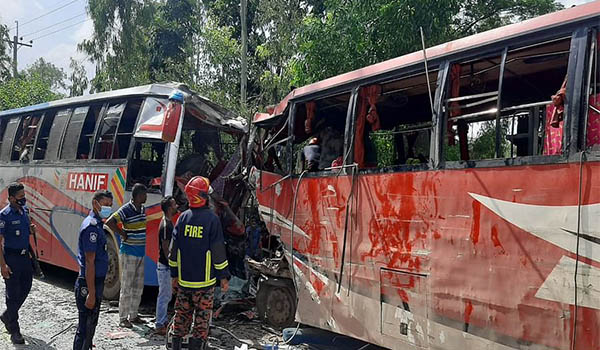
point(60, 30)
point(53, 25)
point(47, 13)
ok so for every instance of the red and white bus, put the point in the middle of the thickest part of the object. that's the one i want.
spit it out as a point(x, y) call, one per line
point(64, 150)
point(468, 220)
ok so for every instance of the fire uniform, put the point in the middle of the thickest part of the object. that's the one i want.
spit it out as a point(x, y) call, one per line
point(197, 259)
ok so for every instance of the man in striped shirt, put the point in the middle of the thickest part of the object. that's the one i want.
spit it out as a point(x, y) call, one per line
point(130, 223)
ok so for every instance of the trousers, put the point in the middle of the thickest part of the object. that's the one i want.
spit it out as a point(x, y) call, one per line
point(88, 319)
point(193, 305)
point(18, 287)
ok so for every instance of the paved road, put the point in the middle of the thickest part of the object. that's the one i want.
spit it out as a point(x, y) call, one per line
point(49, 318)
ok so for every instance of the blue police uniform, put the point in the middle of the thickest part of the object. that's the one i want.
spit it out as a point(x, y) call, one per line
point(15, 228)
point(92, 238)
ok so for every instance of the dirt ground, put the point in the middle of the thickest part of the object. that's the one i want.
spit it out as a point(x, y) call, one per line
point(48, 320)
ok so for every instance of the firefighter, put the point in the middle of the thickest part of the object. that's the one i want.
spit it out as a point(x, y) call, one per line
point(15, 261)
point(197, 260)
point(93, 266)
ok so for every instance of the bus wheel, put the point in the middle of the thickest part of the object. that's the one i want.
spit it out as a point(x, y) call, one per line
point(276, 304)
point(112, 283)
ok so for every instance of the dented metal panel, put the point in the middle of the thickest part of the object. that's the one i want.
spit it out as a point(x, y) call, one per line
point(469, 258)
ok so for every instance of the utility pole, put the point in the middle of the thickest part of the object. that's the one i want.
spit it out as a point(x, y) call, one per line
point(244, 82)
point(15, 43)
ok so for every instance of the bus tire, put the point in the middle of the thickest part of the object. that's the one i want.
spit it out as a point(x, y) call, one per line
point(112, 283)
point(276, 303)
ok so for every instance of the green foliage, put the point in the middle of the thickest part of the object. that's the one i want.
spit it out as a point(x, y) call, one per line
point(290, 43)
point(119, 45)
point(348, 35)
point(21, 92)
point(48, 73)
point(78, 78)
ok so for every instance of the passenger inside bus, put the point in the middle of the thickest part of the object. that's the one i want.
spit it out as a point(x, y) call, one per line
point(323, 120)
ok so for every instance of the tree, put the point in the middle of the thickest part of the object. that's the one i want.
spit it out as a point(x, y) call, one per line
point(78, 78)
point(5, 60)
point(119, 45)
point(47, 72)
point(348, 35)
point(21, 92)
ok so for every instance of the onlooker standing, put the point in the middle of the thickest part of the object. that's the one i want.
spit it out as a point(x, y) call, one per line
point(165, 232)
point(93, 266)
point(15, 262)
point(132, 216)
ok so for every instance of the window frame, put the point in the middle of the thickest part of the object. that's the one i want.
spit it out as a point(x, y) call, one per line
point(55, 155)
point(8, 147)
point(76, 133)
point(570, 116)
point(97, 130)
point(291, 121)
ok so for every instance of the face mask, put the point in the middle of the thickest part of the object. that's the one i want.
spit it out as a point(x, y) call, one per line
point(105, 212)
point(21, 202)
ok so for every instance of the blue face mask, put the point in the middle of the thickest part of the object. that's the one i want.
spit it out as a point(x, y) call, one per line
point(105, 212)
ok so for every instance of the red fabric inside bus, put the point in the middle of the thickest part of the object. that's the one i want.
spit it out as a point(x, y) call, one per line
point(367, 111)
point(593, 123)
point(311, 108)
point(461, 126)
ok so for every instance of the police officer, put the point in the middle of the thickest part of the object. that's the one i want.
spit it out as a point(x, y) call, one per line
point(93, 265)
point(15, 262)
point(197, 259)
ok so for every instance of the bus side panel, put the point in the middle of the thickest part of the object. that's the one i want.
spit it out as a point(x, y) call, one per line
point(59, 199)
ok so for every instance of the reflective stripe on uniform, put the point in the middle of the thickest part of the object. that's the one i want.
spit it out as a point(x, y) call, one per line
point(173, 263)
point(207, 283)
point(207, 267)
point(222, 265)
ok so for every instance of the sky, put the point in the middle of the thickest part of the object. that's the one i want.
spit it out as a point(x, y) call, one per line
point(57, 26)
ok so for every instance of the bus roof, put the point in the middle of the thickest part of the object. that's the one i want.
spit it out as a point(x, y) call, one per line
point(574, 14)
point(192, 99)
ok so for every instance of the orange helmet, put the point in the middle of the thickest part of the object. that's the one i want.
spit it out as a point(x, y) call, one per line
point(197, 190)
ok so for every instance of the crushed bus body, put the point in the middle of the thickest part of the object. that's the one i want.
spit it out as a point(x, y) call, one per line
point(63, 151)
point(467, 221)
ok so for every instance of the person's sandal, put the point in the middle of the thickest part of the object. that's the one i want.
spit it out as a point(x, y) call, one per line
point(125, 324)
point(137, 320)
point(161, 331)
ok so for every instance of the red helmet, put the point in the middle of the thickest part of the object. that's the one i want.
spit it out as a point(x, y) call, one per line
point(197, 190)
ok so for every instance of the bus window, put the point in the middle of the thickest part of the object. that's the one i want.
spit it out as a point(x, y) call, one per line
point(147, 163)
point(74, 128)
point(592, 127)
point(61, 120)
point(105, 142)
point(3, 123)
point(532, 75)
point(396, 121)
point(25, 138)
point(86, 138)
point(471, 109)
point(319, 123)
point(126, 128)
point(9, 137)
point(41, 142)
